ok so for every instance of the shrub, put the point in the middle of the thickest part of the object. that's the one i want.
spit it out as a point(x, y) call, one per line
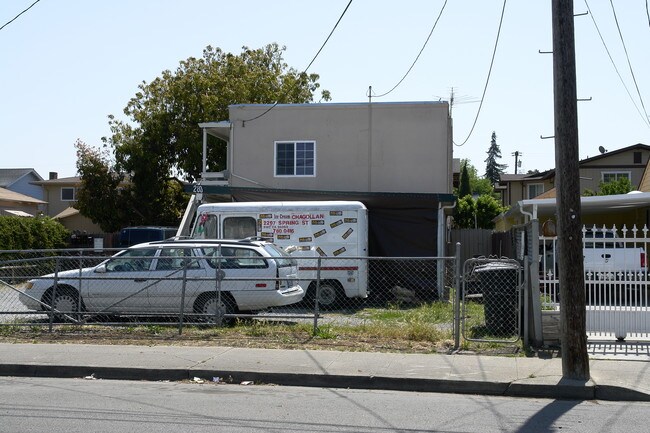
point(19, 233)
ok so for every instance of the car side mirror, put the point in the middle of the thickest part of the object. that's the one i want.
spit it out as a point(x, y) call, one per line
point(101, 269)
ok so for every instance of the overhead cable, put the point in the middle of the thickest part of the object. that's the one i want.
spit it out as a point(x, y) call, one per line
point(310, 63)
point(16, 17)
point(628, 60)
point(417, 57)
point(611, 59)
point(487, 81)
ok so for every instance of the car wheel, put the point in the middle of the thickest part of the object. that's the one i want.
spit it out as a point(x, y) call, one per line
point(210, 307)
point(65, 302)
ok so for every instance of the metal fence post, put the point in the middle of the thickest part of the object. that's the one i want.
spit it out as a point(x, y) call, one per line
point(457, 299)
point(218, 276)
point(316, 305)
point(183, 288)
point(54, 289)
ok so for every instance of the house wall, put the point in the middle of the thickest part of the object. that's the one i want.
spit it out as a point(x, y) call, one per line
point(517, 190)
point(53, 196)
point(80, 224)
point(392, 147)
point(23, 186)
point(591, 173)
point(30, 208)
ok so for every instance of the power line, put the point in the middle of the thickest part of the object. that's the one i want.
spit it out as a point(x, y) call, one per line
point(611, 59)
point(16, 17)
point(417, 57)
point(628, 60)
point(310, 63)
point(487, 81)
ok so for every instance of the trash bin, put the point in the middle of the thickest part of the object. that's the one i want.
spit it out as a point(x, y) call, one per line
point(498, 282)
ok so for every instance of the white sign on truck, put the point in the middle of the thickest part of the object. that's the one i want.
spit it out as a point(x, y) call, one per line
point(334, 231)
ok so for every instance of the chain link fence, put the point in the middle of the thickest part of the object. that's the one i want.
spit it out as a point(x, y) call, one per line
point(47, 288)
point(491, 300)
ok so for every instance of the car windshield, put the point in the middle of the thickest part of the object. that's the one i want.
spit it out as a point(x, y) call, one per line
point(131, 260)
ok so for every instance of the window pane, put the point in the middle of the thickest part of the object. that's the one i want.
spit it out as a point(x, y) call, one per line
point(67, 194)
point(304, 159)
point(284, 159)
point(239, 227)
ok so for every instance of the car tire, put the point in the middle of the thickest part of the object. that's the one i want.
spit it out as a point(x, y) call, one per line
point(208, 304)
point(65, 301)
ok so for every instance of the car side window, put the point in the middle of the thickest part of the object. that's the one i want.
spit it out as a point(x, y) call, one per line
point(235, 258)
point(172, 259)
point(132, 261)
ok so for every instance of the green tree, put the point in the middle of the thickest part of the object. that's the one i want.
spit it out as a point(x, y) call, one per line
point(493, 169)
point(479, 213)
point(161, 140)
point(620, 186)
point(487, 208)
point(465, 212)
point(464, 188)
point(477, 185)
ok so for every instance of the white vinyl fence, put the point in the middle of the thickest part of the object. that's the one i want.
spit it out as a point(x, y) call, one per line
point(616, 280)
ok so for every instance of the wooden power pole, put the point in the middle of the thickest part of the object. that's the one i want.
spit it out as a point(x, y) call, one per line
point(575, 360)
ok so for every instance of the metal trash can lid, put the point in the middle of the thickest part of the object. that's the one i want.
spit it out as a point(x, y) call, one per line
point(497, 266)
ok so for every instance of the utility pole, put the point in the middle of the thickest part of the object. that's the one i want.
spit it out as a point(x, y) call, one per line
point(516, 154)
point(575, 360)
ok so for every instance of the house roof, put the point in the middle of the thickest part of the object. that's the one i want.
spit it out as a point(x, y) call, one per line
point(9, 176)
point(74, 180)
point(638, 146)
point(539, 207)
point(67, 212)
point(12, 196)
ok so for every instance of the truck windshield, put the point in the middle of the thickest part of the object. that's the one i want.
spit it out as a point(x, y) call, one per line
point(205, 227)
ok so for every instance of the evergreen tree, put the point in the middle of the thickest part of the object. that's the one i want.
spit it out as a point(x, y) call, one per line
point(464, 188)
point(493, 169)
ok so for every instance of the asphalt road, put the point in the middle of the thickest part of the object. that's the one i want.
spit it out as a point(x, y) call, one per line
point(78, 405)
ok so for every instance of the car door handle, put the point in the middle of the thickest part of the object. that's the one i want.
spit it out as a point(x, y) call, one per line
point(140, 280)
point(606, 256)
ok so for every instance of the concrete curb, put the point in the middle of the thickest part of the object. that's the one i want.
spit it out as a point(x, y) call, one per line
point(565, 390)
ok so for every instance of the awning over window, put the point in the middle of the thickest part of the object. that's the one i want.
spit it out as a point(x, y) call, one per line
point(18, 213)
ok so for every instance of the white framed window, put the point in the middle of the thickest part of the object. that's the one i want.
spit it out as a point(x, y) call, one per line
point(68, 193)
point(613, 176)
point(534, 189)
point(295, 158)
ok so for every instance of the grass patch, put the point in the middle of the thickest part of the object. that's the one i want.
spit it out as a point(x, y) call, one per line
point(423, 328)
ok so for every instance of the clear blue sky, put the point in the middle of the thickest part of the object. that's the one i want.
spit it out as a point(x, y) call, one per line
point(67, 64)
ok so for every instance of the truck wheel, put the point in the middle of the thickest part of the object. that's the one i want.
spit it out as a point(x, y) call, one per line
point(331, 294)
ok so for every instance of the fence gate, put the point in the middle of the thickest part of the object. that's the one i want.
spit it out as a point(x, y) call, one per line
point(491, 300)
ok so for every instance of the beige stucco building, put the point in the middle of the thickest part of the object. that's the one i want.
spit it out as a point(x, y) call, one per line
point(377, 147)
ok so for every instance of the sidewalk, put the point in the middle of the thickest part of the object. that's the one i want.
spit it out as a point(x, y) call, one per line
point(463, 373)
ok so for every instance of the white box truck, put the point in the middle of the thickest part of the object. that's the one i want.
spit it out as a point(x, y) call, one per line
point(334, 231)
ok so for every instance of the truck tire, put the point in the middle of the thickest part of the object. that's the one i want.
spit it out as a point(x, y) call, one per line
point(331, 294)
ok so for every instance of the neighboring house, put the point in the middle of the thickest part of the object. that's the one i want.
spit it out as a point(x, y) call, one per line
point(385, 147)
point(629, 162)
point(394, 157)
point(21, 180)
point(16, 204)
point(61, 195)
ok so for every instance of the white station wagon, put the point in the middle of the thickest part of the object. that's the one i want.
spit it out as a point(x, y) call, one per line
point(207, 276)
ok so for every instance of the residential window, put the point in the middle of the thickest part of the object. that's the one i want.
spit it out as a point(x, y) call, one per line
point(68, 194)
point(295, 158)
point(637, 158)
point(535, 189)
point(613, 176)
